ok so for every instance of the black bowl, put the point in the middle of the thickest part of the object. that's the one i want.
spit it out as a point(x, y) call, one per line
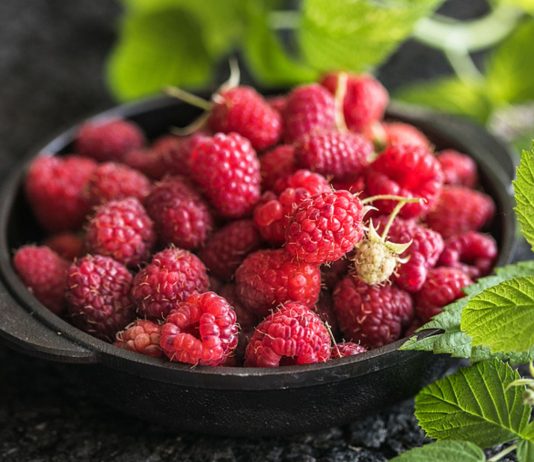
point(226, 400)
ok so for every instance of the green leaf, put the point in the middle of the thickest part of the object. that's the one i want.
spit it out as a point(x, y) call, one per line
point(524, 195)
point(525, 451)
point(502, 317)
point(443, 451)
point(526, 5)
point(157, 49)
point(449, 95)
point(475, 405)
point(356, 35)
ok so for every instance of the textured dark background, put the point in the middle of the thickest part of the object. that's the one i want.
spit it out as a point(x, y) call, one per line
point(52, 56)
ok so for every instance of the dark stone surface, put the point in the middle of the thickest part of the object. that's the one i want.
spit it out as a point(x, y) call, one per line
point(51, 66)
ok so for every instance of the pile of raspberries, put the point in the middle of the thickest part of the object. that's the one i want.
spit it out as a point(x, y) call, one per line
point(256, 240)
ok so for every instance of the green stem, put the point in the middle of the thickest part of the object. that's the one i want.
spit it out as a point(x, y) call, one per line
point(503, 453)
point(284, 19)
point(463, 65)
point(189, 98)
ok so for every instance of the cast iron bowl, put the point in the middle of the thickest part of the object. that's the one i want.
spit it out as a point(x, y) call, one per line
point(227, 400)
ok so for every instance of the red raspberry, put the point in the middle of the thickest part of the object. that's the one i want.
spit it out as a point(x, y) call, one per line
point(372, 315)
point(400, 133)
point(309, 108)
point(325, 310)
point(180, 214)
point(340, 155)
point(200, 330)
point(292, 335)
point(365, 99)
point(147, 162)
point(460, 209)
point(111, 181)
point(472, 252)
point(171, 276)
point(121, 230)
point(356, 186)
point(325, 227)
point(408, 171)
point(442, 286)
point(243, 110)
point(109, 140)
point(227, 169)
point(246, 319)
point(313, 183)
point(278, 103)
point(458, 169)
point(98, 296)
point(267, 278)
point(44, 273)
point(332, 273)
point(54, 187)
point(345, 349)
point(229, 246)
point(67, 245)
point(277, 164)
point(141, 336)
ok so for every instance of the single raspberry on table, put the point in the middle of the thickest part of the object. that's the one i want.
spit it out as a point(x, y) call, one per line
point(227, 169)
point(442, 286)
point(458, 169)
point(108, 140)
point(200, 330)
point(98, 296)
point(181, 216)
point(228, 247)
point(121, 230)
point(171, 276)
point(345, 349)
point(407, 171)
point(365, 99)
point(54, 188)
point(393, 133)
point(342, 156)
point(44, 273)
point(243, 110)
point(474, 253)
point(325, 227)
point(459, 210)
point(309, 109)
point(112, 181)
point(141, 336)
point(67, 245)
point(267, 278)
point(372, 315)
point(276, 164)
point(294, 334)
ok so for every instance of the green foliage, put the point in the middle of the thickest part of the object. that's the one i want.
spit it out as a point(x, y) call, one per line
point(524, 195)
point(443, 451)
point(525, 451)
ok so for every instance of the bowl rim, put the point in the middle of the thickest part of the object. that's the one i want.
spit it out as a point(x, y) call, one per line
point(222, 377)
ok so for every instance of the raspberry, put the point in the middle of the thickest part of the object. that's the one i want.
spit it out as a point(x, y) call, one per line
point(121, 230)
point(147, 162)
point(313, 183)
point(180, 215)
point(442, 286)
point(365, 99)
point(227, 169)
point(111, 181)
point(44, 273)
point(325, 227)
point(278, 103)
point(174, 153)
point(171, 276)
point(372, 315)
point(356, 186)
point(408, 171)
point(109, 140)
point(375, 261)
point(459, 210)
point(267, 278)
point(98, 296)
point(325, 310)
point(277, 164)
point(292, 335)
point(309, 109)
point(245, 318)
point(345, 349)
point(54, 187)
point(472, 252)
point(395, 133)
point(229, 246)
point(458, 169)
point(141, 336)
point(243, 110)
point(342, 156)
point(200, 330)
point(67, 245)
point(333, 272)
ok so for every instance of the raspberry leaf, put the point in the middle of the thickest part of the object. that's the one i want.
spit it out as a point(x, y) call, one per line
point(525, 451)
point(524, 195)
point(502, 317)
point(475, 404)
point(443, 451)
